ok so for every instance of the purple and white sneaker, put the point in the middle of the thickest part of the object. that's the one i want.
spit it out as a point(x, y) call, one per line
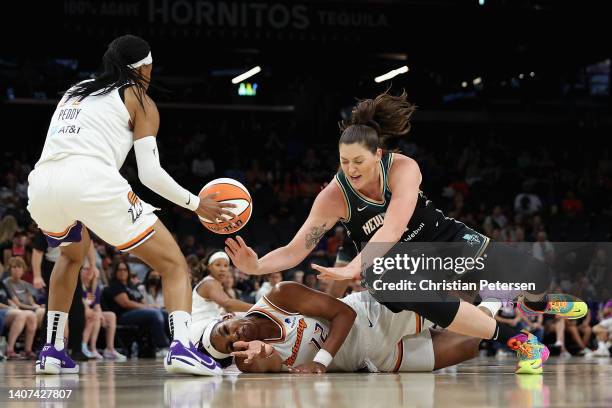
point(188, 360)
point(52, 361)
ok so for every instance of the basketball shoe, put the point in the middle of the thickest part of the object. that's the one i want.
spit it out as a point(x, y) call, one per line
point(53, 361)
point(189, 360)
point(531, 353)
point(561, 305)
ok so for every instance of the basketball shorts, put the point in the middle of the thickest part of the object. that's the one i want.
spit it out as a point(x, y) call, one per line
point(74, 191)
point(392, 342)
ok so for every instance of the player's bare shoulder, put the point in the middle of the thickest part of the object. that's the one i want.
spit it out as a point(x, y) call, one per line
point(403, 165)
point(331, 200)
point(143, 112)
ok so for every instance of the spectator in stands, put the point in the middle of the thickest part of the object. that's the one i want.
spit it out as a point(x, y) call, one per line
point(195, 274)
point(152, 292)
point(18, 248)
point(298, 276)
point(570, 204)
point(542, 249)
point(8, 229)
point(210, 300)
point(599, 268)
point(603, 331)
point(127, 304)
point(527, 203)
point(22, 293)
point(96, 318)
point(580, 333)
point(228, 284)
point(203, 166)
point(270, 280)
point(16, 321)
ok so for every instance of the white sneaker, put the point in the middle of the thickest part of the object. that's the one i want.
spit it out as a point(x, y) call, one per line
point(565, 354)
point(85, 350)
point(114, 355)
point(601, 352)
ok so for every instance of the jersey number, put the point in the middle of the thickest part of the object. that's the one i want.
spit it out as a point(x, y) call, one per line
point(320, 331)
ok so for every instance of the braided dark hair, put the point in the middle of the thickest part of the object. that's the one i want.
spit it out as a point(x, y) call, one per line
point(115, 73)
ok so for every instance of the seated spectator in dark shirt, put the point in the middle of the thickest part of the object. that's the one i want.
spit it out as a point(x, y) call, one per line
point(127, 303)
point(22, 293)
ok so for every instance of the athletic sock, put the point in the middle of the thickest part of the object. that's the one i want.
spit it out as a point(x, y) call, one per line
point(180, 324)
point(56, 323)
point(539, 305)
point(492, 305)
point(503, 333)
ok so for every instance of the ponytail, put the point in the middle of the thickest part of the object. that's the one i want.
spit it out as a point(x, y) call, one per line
point(379, 122)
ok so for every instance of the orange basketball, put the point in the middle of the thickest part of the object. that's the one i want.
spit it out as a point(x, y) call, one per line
point(230, 191)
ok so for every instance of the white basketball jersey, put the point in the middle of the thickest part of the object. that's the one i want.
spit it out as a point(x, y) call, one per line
point(97, 126)
point(374, 342)
point(203, 309)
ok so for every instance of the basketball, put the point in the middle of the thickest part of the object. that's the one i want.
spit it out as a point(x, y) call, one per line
point(229, 191)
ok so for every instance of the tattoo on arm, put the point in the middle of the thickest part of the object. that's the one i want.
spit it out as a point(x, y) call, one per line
point(314, 236)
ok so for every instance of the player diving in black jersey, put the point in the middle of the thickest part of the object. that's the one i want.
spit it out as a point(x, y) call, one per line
point(376, 197)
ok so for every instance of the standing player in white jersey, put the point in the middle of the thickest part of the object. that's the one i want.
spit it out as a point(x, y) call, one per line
point(298, 329)
point(76, 182)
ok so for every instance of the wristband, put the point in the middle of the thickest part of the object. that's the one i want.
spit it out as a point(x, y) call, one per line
point(323, 357)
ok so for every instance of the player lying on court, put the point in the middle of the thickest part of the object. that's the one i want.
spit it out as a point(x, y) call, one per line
point(376, 196)
point(301, 330)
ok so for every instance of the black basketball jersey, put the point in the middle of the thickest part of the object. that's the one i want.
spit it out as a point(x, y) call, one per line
point(365, 216)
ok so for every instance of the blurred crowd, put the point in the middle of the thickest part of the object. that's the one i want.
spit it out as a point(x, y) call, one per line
point(516, 189)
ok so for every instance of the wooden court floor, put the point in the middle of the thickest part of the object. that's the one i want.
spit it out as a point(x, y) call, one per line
point(482, 382)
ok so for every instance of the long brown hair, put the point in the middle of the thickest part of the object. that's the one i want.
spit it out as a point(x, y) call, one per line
point(377, 123)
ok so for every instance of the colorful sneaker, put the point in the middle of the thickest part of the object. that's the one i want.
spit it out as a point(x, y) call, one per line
point(531, 353)
point(189, 360)
point(52, 361)
point(566, 306)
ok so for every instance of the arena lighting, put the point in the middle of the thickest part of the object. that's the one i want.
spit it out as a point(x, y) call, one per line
point(521, 76)
point(477, 81)
point(246, 75)
point(532, 74)
point(481, 2)
point(464, 84)
point(391, 74)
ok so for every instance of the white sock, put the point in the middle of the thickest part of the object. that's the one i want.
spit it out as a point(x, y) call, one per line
point(180, 324)
point(56, 323)
point(492, 305)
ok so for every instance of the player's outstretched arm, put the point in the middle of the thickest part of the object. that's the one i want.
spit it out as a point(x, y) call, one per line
point(323, 216)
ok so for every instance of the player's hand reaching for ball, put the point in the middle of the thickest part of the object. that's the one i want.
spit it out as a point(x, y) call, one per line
point(243, 257)
point(213, 210)
point(308, 368)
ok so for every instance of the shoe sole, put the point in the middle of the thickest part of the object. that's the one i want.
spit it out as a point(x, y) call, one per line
point(527, 368)
point(181, 367)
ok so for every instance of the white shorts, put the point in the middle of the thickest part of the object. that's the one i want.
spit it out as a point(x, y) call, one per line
point(387, 341)
point(82, 189)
